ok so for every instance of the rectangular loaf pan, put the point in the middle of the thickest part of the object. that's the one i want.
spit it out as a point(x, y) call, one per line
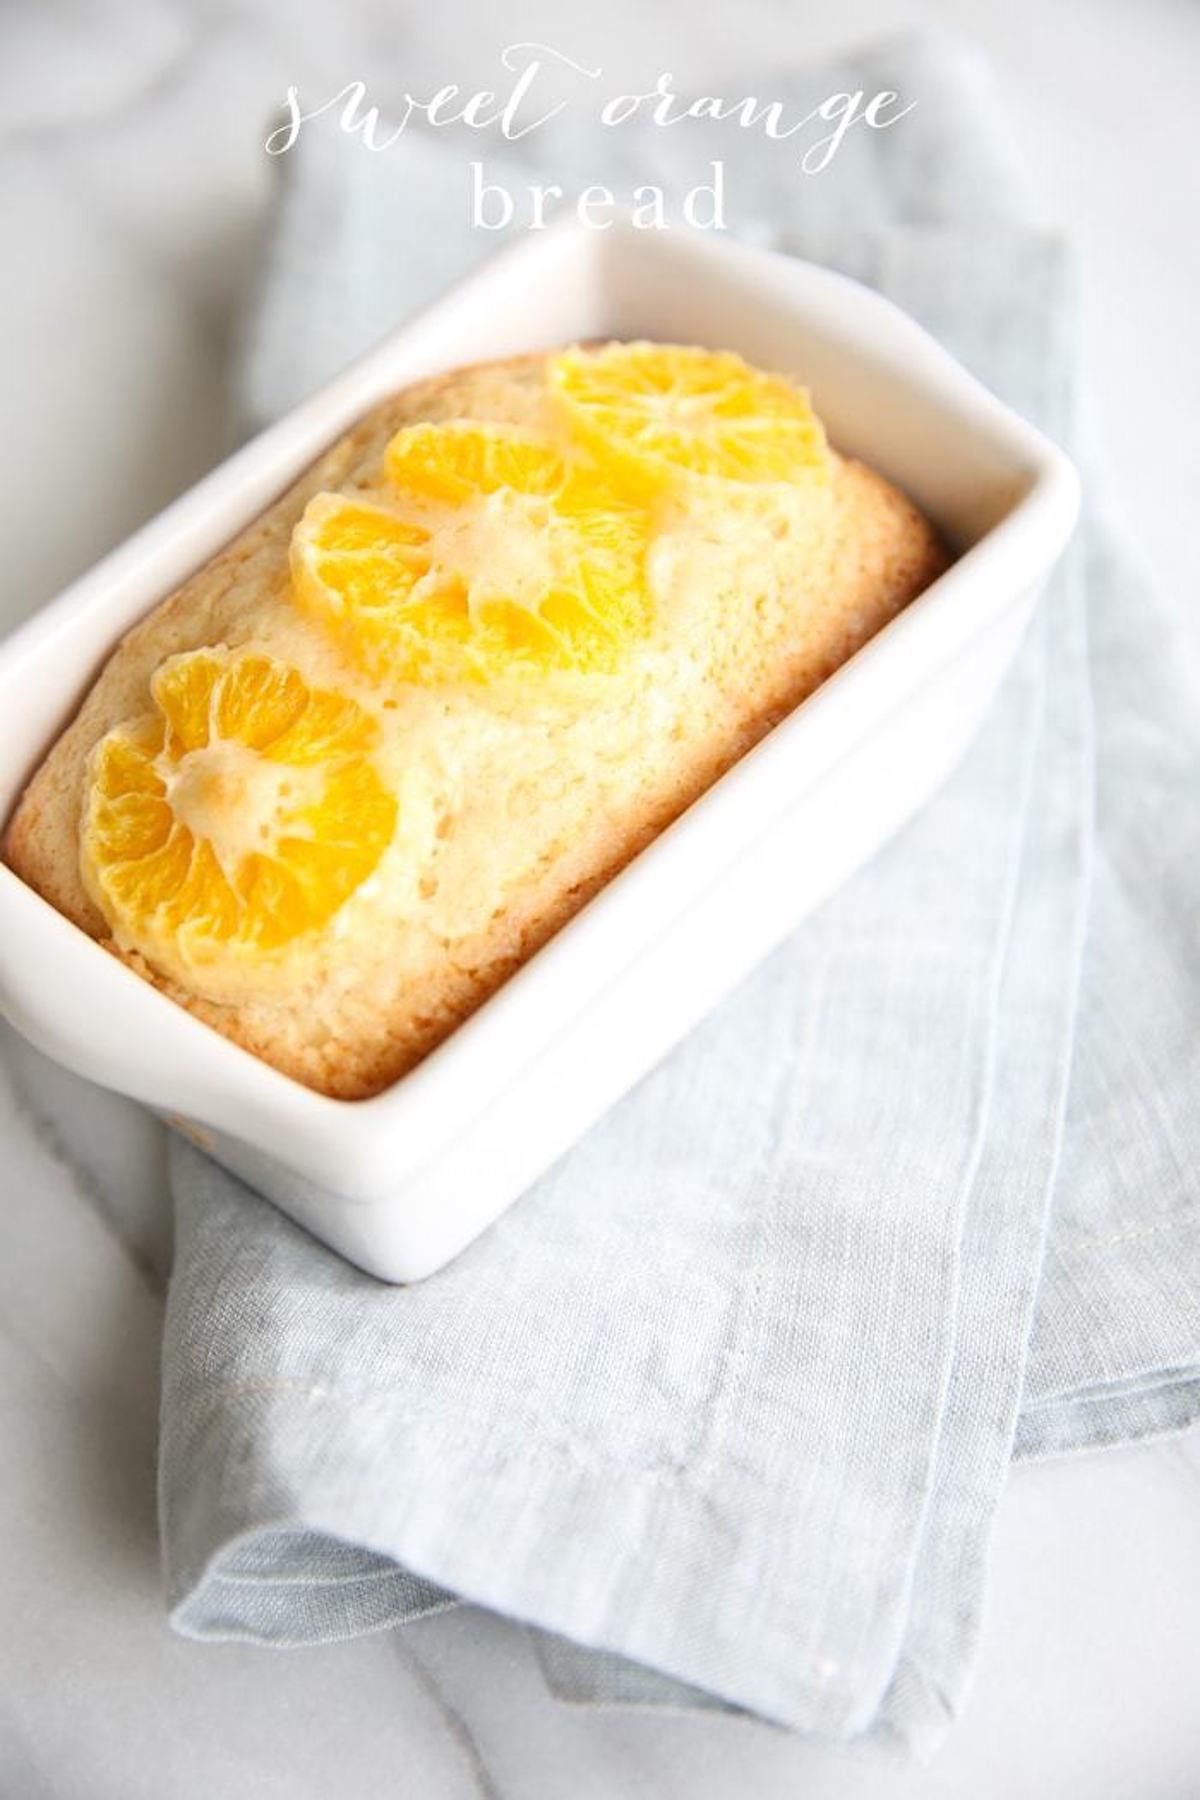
point(402, 1182)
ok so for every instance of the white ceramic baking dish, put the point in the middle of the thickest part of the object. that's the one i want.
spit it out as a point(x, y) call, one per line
point(402, 1182)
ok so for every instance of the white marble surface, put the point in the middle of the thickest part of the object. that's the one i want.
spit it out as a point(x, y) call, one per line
point(132, 187)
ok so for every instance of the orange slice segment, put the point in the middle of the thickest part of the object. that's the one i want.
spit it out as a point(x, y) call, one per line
point(240, 815)
point(488, 554)
point(652, 413)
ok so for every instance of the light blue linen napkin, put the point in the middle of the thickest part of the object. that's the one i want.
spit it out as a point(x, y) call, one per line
point(724, 1406)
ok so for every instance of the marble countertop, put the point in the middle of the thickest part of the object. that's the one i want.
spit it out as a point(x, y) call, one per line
point(132, 189)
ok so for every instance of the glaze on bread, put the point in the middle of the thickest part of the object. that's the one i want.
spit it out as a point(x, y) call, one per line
point(479, 797)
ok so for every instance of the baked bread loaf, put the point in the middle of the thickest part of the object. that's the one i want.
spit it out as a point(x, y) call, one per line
point(340, 784)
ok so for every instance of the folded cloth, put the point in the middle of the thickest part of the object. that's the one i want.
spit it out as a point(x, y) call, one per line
point(724, 1405)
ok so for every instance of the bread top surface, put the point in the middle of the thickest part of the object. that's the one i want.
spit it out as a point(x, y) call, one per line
point(514, 799)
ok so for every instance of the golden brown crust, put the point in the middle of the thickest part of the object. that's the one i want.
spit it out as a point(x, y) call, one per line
point(363, 1037)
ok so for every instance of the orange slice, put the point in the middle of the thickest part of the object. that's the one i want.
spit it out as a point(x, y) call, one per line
point(486, 555)
point(238, 816)
point(650, 413)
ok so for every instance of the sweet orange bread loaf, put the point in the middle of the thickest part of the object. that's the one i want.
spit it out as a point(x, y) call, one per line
point(340, 784)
